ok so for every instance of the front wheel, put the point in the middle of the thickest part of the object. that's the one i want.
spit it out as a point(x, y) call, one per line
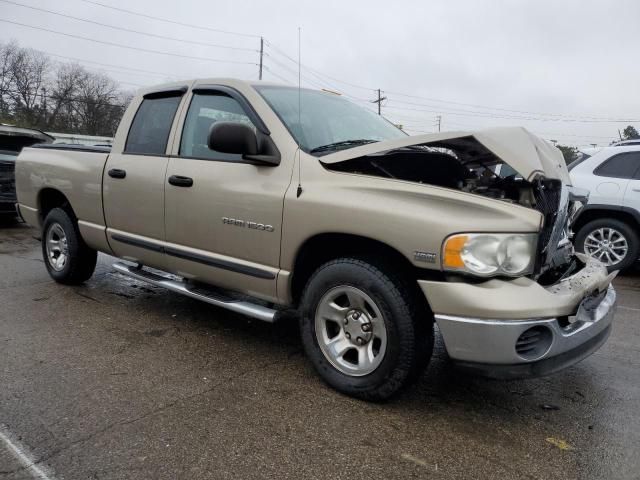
point(364, 328)
point(611, 241)
point(67, 258)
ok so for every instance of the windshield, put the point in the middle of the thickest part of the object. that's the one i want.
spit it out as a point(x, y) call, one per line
point(328, 122)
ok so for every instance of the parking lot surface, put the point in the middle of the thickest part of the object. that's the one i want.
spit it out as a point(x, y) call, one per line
point(116, 379)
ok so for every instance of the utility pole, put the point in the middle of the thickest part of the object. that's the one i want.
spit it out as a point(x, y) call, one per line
point(439, 121)
point(379, 101)
point(261, 55)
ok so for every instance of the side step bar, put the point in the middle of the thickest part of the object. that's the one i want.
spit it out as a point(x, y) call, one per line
point(249, 309)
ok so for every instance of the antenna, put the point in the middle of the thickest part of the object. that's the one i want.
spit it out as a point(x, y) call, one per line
point(299, 192)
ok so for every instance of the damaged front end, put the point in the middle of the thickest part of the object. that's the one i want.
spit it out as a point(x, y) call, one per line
point(509, 164)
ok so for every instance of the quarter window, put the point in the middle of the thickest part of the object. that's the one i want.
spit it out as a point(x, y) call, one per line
point(623, 165)
point(150, 128)
point(206, 109)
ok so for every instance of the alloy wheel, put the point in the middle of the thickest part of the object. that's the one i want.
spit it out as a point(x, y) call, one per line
point(350, 330)
point(606, 244)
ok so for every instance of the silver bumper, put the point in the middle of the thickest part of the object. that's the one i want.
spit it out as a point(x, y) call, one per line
point(513, 343)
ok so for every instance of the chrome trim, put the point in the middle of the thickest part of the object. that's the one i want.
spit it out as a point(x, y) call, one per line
point(492, 341)
point(252, 310)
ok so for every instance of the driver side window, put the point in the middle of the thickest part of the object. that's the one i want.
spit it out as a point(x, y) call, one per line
point(206, 109)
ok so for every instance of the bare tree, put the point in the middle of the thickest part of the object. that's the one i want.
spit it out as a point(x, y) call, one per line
point(64, 97)
point(7, 54)
point(28, 70)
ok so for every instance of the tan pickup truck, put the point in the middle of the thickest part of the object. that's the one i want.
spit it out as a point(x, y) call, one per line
point(228, 192)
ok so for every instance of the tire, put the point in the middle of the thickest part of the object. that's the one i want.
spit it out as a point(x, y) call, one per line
point(68, 259)
point(388, 300)
point(621, 233)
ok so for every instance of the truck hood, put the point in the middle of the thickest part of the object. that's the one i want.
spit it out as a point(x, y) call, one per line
point(528, 154)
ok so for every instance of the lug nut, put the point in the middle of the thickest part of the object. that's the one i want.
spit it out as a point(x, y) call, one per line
point(347, 334)
point(360, 341)
point(356, 315)
point(345, 321)
point(366, 327)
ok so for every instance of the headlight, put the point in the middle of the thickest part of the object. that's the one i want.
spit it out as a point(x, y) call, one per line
point(490, 254)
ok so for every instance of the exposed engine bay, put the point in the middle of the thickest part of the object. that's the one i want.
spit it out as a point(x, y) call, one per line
point(466, 165)
point(461, 164)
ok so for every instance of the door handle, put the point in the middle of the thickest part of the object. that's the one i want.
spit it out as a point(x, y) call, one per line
point(117, 173)
point(180, 181)
point(636, 189)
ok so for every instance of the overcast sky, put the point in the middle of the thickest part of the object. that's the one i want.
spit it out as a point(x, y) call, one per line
point(560, 67)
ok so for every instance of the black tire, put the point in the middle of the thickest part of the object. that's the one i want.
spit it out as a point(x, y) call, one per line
point(80, 261)
point(623, 228)
point(408, 322)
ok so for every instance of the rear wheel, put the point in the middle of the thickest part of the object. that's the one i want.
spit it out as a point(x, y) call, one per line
point(611, 241)
point(364, 328)
point(67, 258)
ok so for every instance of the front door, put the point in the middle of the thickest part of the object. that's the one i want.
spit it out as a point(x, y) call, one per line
point(223, 223)
point(133, 185)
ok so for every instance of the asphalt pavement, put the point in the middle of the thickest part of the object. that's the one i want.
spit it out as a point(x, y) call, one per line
point(120, 380)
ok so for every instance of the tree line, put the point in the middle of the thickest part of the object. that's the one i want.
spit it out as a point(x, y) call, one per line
point(37, 92)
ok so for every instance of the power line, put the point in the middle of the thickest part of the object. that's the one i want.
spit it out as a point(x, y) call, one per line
point(276, 75)
point(138, 32)
point(489, 115)
point(496, 115)
point(281, 52)
point(113, 44)
point(133, 70)
point(174, 22)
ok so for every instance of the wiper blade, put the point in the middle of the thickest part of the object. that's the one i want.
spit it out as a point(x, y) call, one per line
point(340, 145)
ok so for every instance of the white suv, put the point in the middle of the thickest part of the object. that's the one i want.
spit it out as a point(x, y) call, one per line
point(608, 227)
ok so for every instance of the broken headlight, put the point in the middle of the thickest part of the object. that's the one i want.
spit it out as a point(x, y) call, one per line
point(490, 254)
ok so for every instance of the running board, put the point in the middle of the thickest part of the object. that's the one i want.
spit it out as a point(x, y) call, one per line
point(249, 309)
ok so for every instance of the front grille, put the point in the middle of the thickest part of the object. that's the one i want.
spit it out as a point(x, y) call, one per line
point(547, 203)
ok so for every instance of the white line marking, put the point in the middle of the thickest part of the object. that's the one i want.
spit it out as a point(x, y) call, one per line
point(629, 308)
point(23, 456)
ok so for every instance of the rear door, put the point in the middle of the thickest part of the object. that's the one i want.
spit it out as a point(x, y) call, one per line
point(632, 193)
point(224, 226)
point(611, 178)
point(133, 185)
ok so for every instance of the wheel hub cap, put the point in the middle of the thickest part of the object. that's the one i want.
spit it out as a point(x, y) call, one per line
point(358, 328)
point(350, 330)
point(56, 247)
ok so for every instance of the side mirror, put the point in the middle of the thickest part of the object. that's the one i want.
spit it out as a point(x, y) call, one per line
point(239, 138)
point(233, 137)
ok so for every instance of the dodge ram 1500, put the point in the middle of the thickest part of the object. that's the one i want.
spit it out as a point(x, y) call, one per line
point(244, 200)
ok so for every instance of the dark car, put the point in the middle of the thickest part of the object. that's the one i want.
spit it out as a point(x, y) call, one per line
point(12, 141)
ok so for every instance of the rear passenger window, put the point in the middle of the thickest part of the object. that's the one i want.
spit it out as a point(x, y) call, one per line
point(206, 109)
point(150, 128)
point(623, 165)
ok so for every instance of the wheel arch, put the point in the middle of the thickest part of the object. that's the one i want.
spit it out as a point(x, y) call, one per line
point(50, 198)
point(595, 212)
point(324, 247)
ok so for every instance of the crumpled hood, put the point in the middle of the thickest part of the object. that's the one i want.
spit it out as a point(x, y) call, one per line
point(528, 154)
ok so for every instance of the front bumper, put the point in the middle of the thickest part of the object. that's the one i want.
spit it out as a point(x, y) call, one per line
point(511, 349)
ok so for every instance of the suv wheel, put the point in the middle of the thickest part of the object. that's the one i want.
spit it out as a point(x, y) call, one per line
point(364, 328)
point(611, 241)
point(67, 258)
